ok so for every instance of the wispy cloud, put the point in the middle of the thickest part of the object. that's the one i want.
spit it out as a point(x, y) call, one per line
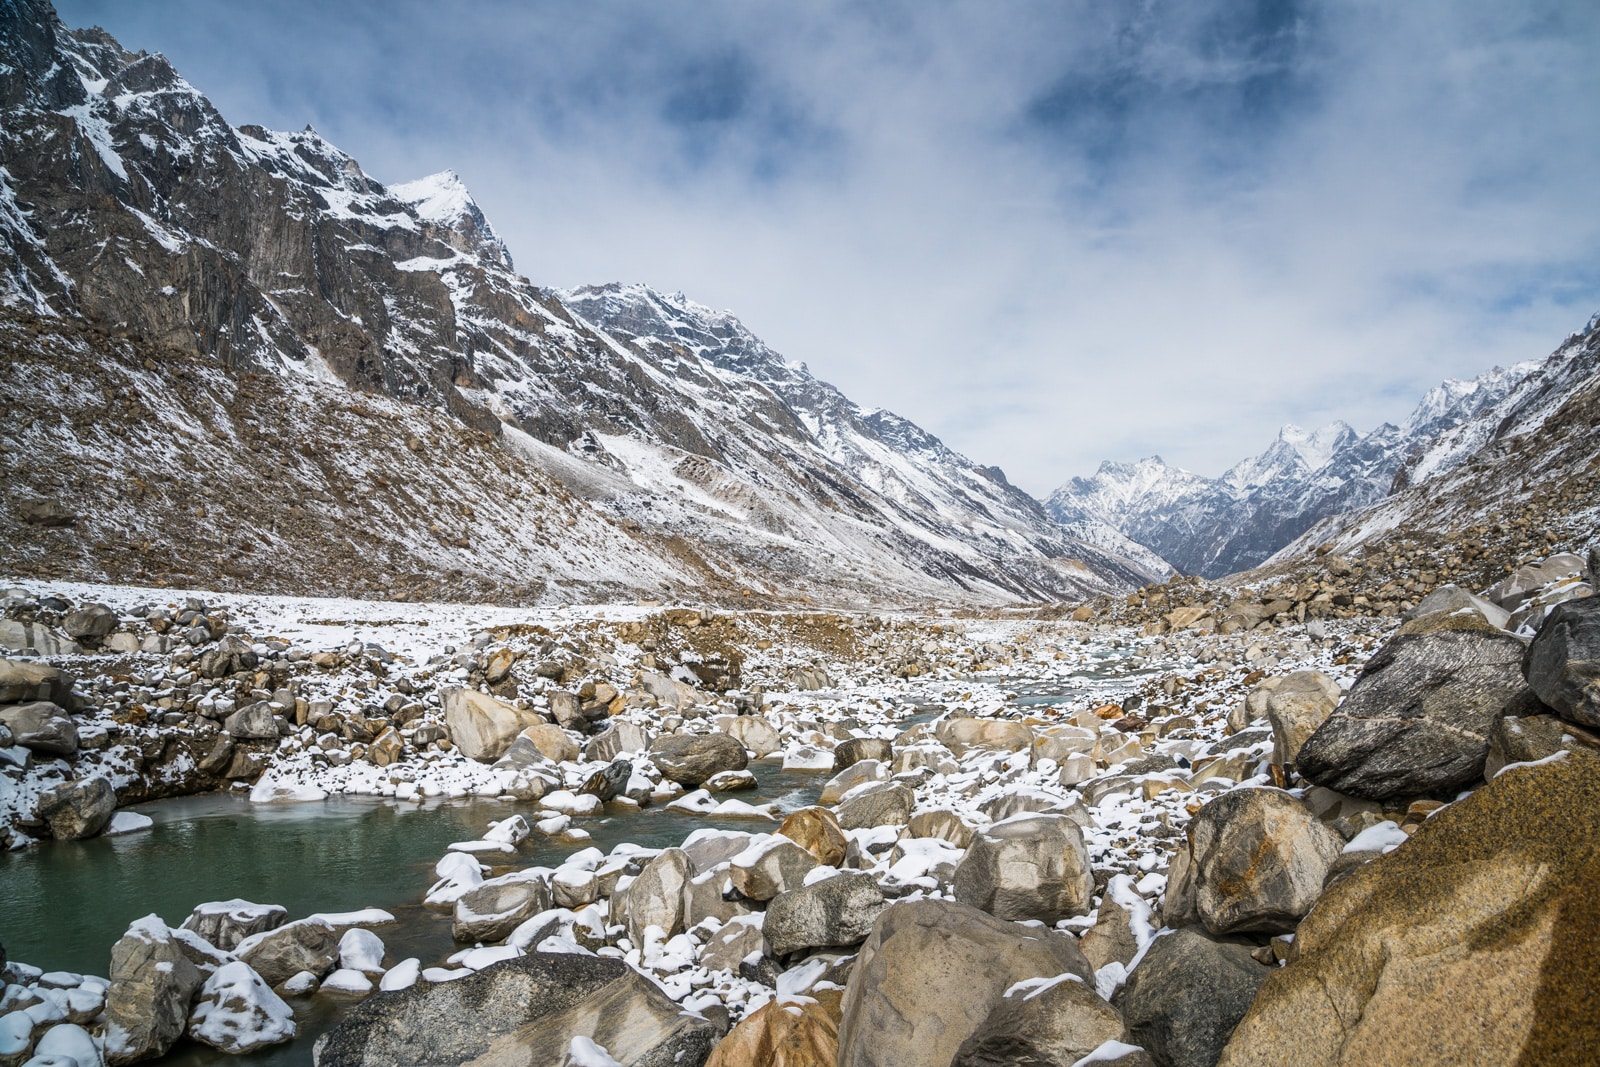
point(1050, 232)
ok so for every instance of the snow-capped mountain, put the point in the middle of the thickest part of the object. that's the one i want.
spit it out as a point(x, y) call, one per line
point(1216, 526)
point(365, 358)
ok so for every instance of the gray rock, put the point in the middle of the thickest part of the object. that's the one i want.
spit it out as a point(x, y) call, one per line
point(1523, 739)
point(931, 973)
point(92, 622)
point(1053, 1026)
point(1296, 707)
point(857, 749)
point(19, 636)
point(566, 709)
point(75, 810)
point(490, 911)
point(1256, 863)
point(22, 683)
point(689, 759)
point(889, 804)
point(283, 952)
point(152, 983)
point(657, 896)
point(482, 727)
point(1027, 867)
point(833, 913)
point(253, 722)
point(617, 738)
point(225, 923)
point(1452, 599)
point(523, 1011)
point(1529, 578)
point(41, 727)
point(1417, 719)
point(609, 780)
point(1562, 664)
point(236, 1012)
point(779, 866)
point(1186, 996)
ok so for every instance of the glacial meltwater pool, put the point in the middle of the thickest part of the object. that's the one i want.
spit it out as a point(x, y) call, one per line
point(63, 904)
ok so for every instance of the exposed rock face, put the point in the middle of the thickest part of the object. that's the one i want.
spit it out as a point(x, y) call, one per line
point(689, 759)
point(1027, 867)
point(1188, 993)
point(835, 912)
point(1417, 720)
point(523, 1011)
point(23, 683)
point(1562, 664)
point(932, 973)
point(78, 809)
point(152, 983)
point(1255, 863)
point(1492, 895)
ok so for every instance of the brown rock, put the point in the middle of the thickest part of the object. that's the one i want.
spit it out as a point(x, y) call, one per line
point(817, 831)
point(785, 1033)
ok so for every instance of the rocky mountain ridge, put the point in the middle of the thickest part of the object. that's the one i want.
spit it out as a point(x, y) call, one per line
point(146, 240)
point(1217, 526)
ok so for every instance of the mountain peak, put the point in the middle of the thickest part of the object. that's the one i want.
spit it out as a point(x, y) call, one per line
point(443, 200)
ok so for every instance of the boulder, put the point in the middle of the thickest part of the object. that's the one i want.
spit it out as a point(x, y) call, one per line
point(940, 825)
point(232, 655)
point(525, 1011)
point(1019, 801)
point(1454, 600)
point(1027, 867)
point(237, 1013)
point(1256, 863)
point(75, 810)
point(1187, 994)
point(1474, 942)
point(92, 621)
point(609, 780)
point(253, 722)
point(818, 832)
point(1523, 739)
point(41, 727)
point(1417, 719)
point(284, 951)
point(1562, 664)
point(889, 804)
point(617, 738)
point(689, 759)
point(1300, 703)
point(552, 742)
point(482, 727)
point(962, 734)
point(833, 913)
point(152, 983)
point(753, 732)
point(491, 910)
point(770, 866)
point(656, 896)
point(23, 683)
point(856, 749)
point(31, 637)
point(1047, 1022)
point(931, 973)
point(858, 773)
point(386, 748)
point(785, 1032)
point(566, 709)
point(1528, 579)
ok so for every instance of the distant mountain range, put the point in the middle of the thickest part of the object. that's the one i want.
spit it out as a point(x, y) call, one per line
point(247, 362)
point(1217, 526)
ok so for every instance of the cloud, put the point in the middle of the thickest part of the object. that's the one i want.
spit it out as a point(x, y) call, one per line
point(1049, 233)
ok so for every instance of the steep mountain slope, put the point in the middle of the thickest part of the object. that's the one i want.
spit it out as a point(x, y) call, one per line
point(1217, 526)
point(154, 256)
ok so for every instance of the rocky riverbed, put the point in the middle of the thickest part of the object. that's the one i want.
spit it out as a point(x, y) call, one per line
point(1034, 840)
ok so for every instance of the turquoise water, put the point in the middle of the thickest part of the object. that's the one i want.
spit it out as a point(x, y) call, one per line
point(63, 904)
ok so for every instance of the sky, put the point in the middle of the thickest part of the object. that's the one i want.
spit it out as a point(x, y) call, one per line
point(1051, 233)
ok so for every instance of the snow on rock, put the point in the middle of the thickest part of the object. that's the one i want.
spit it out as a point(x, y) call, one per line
point(238, 1013)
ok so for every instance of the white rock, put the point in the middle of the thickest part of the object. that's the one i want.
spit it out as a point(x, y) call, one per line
point(69, 1041)
point(361, 950)
point(237, 1013)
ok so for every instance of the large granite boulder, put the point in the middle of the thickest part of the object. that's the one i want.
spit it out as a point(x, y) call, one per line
point(490, 911)
point(526, 1012)
point(883, 804)
point(1296, 706)
point(22, 682)
point(42, 727)
point(834, 913)
point(1027, 867)
point(482, 727)
point(932, 973)
point(152, 983)
point(1417, 719)
point(284, 951)
point(817, 831)
point(1562, 664)
point(786, 1032)
point(1255, 862)
point(1477, 941)
point(689, 759)
point(75, 810)
point(1186, 996)
point(657, 896)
